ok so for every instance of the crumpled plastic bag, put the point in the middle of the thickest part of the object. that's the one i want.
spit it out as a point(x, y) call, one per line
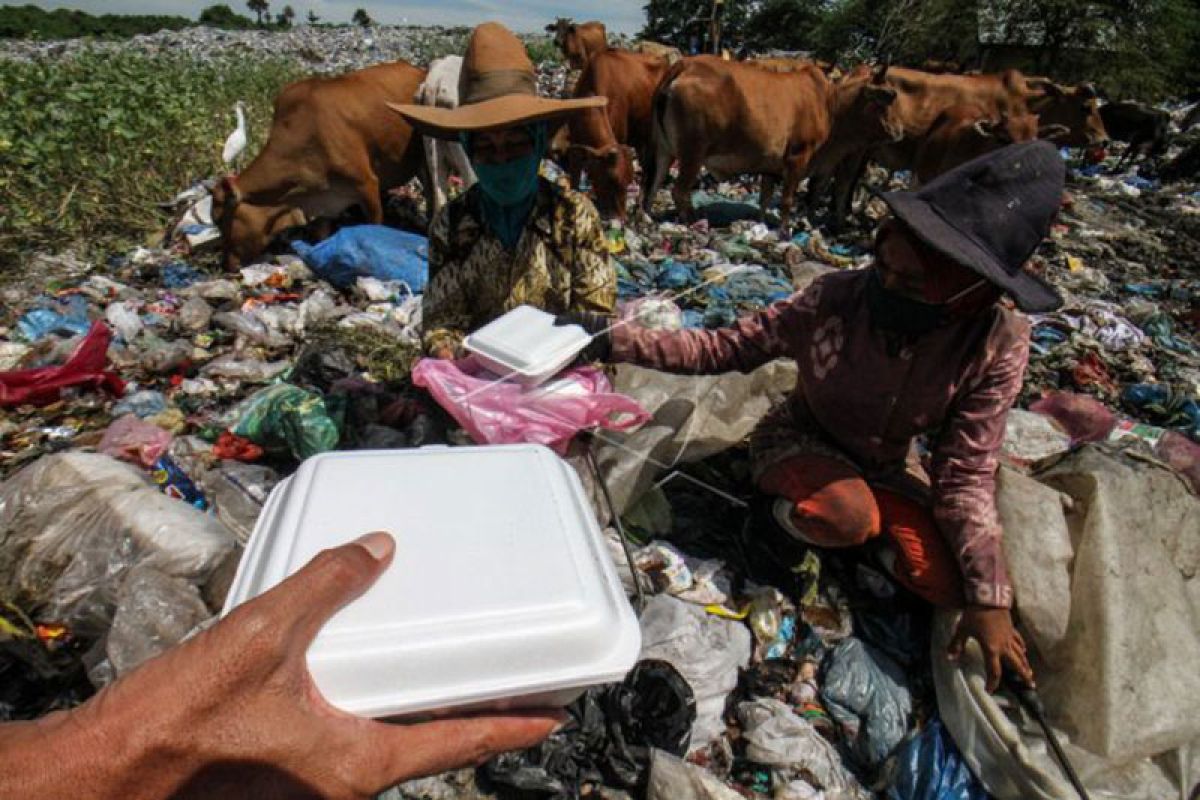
point(494, 411)
point(155, 611)
point(672, 778)
point(371, 251)
point(707, 650)
point(1031, 438)
point(867, 695)
point(776, 736)
point(85, 367)
point(1083, 417)
point(130, 439)
point(73, 524)
point(930, 767)
point(285, 417)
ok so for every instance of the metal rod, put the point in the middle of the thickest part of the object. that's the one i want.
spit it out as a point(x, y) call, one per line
point(616, 518)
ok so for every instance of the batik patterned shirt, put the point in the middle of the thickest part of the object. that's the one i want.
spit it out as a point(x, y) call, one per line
point(561, 263)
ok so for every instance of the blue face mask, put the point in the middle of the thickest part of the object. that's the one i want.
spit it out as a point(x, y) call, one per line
point(509, 189)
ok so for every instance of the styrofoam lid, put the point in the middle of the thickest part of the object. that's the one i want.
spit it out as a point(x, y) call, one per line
point(527, 341)
point(501, 584)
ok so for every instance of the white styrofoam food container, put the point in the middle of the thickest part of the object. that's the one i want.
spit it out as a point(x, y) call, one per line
point(501, 593)
point(526, 345)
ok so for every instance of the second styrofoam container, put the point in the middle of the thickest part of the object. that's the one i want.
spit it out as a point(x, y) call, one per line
point(526, 345)
point(501, 593)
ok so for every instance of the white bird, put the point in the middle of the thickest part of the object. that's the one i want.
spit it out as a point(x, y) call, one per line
point(236, 142)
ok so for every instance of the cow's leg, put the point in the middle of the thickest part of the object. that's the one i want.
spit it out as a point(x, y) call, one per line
point(845, 182)
point(766, 190)
point(435, 193)
point(681, 192)
point(792, 174)
point(818, 185)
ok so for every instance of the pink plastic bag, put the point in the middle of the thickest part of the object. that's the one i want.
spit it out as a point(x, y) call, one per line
point(130, 439)
point(502, 412)
point(1084, 418)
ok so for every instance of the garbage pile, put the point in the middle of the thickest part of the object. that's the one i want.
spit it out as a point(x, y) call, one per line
point(149, 404)
point(321, 50)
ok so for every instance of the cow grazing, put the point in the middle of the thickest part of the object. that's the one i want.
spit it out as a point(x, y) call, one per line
point(443, 158)
point(579, 42)
point(733, 118)
point(333, 144)
point(604, 140)
point(1143, 128)
point(963, 133)
point(1075, 107)
point(922, 97)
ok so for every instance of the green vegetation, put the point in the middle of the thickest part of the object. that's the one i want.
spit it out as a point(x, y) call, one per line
point(1148, 49)
point(222, 16)
point(30, 21)
point(89, 146)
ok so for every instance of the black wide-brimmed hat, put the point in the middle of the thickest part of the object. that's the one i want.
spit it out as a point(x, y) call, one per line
point(990, 215)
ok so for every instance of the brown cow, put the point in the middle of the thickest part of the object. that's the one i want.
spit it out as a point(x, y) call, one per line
point(579, 43)
point(333, 144)
point(962, 133)
point(671, 54)
point(775, 64)
point(604, 140)
point(733, 118)
point(922, 97)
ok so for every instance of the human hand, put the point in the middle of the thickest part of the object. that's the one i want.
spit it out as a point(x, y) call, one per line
point(233, 712)
point(598, 326)
point(999, 640)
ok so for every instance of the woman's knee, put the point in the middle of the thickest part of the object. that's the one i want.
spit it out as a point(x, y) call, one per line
point(826, 502)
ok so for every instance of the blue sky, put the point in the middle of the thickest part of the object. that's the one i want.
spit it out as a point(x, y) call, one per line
point(619, 15)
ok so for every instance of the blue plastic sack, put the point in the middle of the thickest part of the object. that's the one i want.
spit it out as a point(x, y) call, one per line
point(178, 275)
point(68, 315)
point(369, 251)
point(675, 275)
point(867, 695)
point(930, 767)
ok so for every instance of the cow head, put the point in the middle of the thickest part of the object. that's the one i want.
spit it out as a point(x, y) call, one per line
point(247, 229)
point(1074, 107)
point(610, 169)
point(1007, 129)
point(567, 39)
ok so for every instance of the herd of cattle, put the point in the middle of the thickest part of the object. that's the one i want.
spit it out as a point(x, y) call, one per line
point(334, 144)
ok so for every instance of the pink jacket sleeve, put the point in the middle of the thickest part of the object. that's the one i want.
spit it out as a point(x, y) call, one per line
point(964, 475)
point(751, 342)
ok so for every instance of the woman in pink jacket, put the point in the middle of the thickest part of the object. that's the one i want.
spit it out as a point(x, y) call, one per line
point(922, 342)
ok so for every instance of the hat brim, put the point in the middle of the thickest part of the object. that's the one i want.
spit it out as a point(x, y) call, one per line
point(499, 112)
point(1031, 293)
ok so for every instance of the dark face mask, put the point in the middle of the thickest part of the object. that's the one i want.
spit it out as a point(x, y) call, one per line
point(893, 312)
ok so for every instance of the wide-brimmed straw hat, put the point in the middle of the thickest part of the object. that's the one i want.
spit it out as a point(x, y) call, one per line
point(497, 88)
point(990, 215)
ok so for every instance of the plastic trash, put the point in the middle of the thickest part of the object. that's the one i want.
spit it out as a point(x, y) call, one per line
point(84, 368)
point(125, 320)
point(195, 314)
point(503, 412)
point(1031, 438)
point(146, 403)
point(73, 524)
point(672, 778)
point(178, 275)
point(160, 357)
point(130, 439)
point(1183, 455)
point(174, 482)
point(373, 251)
point(659, 313)
point(867, 695)
point(155, 611)
point(68, 316)
point(930, 767)
point(611, 736)
point(237, 492)
point(707, 650)
point(1084, 418)
point(249, 370)
point(778, 737)
point(285, 417)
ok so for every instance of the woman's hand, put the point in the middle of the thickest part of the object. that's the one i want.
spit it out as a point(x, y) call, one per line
point(233, 712)
point(1001, 643)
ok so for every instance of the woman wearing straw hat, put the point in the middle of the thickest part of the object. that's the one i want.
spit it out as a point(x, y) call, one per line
point(514, 238)
point(919, 343)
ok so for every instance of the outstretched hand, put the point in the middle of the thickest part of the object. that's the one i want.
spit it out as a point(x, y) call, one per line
point(234, 712)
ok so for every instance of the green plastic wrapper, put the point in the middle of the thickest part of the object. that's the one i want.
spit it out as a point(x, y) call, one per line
point(286, 417)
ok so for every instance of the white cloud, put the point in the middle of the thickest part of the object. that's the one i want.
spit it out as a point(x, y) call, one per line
point(623, 16)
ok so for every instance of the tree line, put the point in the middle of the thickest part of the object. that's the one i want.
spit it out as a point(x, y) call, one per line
point(33, 22)
point(1146, 48)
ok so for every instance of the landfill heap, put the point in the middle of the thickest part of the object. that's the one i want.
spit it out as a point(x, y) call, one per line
point(151, 403)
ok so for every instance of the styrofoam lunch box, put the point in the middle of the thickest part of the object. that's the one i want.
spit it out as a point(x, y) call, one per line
point(501, 593)
point(526, 345)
